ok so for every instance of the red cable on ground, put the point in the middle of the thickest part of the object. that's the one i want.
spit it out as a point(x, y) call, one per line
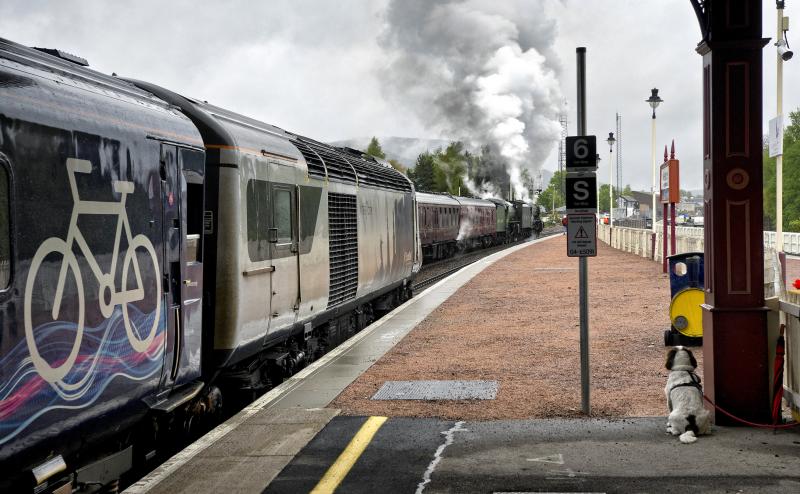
point(752, 424)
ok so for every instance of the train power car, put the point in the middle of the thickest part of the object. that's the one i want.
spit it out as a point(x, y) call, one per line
point(159, 255)
point(438, 218)
point(326, 231)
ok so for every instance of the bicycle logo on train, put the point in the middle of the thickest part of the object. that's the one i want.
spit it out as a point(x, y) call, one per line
point(109, 295)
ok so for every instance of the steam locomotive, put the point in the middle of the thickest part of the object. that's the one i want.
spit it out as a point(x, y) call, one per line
point(449, 224)
point(160, 255)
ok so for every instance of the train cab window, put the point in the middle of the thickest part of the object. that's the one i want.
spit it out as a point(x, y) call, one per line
point(283, 215)
point(193, 164)
point(257, 219)
point(5, 229)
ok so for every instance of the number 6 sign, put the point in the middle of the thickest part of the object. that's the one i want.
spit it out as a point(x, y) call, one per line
point(581, 153)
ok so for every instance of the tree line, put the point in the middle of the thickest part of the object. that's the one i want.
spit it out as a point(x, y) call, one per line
point(455, 170)
point(791, 179)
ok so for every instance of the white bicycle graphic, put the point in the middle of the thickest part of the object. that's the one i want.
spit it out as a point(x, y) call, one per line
point(108, 296)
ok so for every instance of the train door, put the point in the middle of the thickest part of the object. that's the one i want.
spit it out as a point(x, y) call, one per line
point(181, 281)
point(285, 257)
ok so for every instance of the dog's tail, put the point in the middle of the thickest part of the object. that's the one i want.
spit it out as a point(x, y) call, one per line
point(692, 431)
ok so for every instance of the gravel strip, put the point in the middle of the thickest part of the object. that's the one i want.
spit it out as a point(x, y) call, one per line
point(517, 323)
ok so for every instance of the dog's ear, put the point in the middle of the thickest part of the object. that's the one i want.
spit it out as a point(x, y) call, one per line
point(671, 358)
point(692, 359)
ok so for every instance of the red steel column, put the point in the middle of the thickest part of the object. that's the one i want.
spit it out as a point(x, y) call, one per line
point(734, 317)
point(664, 251)
point(672, 228)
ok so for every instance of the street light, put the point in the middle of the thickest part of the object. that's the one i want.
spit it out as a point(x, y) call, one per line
point(784, 53)
point(610, 142)
point(654, 100)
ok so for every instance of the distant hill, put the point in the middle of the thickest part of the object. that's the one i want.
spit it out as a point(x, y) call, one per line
point(403, 149)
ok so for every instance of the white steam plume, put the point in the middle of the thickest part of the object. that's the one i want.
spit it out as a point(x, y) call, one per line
point(481, 72)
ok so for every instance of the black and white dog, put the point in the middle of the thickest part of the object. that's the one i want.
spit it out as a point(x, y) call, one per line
point(687, 416)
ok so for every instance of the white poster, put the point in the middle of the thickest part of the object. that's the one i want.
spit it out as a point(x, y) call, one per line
point(776, 136)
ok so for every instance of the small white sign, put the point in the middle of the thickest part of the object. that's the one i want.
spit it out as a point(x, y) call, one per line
point(776, 136)
point(581, 235)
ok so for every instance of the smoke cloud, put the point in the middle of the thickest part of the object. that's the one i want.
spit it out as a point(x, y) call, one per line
point(483, 74)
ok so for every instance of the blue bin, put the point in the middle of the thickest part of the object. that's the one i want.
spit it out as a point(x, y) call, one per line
point(693, 278)
point(686, 274)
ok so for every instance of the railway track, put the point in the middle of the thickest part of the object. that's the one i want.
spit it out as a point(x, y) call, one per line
point(434, 272)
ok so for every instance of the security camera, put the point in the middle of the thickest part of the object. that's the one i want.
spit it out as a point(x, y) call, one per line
point(784, 51)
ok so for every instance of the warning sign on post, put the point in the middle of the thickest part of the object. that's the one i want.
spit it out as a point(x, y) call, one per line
point(581, 235)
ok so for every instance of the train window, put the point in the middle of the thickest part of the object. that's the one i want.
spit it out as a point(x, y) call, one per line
point(194, 222)
point(283, 215)
point(257, 219)
point(5, 229)
point(193, 165)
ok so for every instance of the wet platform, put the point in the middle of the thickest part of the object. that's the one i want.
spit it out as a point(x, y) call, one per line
point(321, 430)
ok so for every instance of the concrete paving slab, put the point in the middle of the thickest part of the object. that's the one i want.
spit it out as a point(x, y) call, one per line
point(293, 416)
point(263, 440)
point(239, 475)
point(307, 397)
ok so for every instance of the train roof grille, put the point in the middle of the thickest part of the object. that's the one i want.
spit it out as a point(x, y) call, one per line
point(338, 167)
point(69, 57)
point(347, 165)
point(315, 164)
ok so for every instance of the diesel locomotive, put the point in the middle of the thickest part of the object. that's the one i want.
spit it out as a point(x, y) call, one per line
point(159, 255)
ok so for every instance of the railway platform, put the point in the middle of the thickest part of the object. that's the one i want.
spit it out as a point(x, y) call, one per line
point(480, 380)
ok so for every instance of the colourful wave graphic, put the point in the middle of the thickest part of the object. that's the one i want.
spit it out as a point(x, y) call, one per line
point(105, 354)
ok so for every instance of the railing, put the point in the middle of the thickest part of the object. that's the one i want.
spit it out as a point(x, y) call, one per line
point(640, 242)
point(791, 240)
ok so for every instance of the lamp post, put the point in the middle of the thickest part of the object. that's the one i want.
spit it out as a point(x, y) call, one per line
point(784, 53)
point(610, 142)
point(654, 100)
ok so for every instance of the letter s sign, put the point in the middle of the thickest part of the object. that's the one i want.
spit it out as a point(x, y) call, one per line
point(581, 194)
point(581, 189)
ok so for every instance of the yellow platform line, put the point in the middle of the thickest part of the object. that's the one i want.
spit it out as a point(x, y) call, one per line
point(340, 468)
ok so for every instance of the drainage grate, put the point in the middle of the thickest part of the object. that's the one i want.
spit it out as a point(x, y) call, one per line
point(437, 390)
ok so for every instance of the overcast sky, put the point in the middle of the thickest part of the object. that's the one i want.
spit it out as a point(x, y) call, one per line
point(320, 67)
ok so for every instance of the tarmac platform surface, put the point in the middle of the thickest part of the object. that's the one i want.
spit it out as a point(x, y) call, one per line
point(289, 441)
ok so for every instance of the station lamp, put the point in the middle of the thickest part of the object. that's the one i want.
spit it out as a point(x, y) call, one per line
point(654, 100)
point(610, 142)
